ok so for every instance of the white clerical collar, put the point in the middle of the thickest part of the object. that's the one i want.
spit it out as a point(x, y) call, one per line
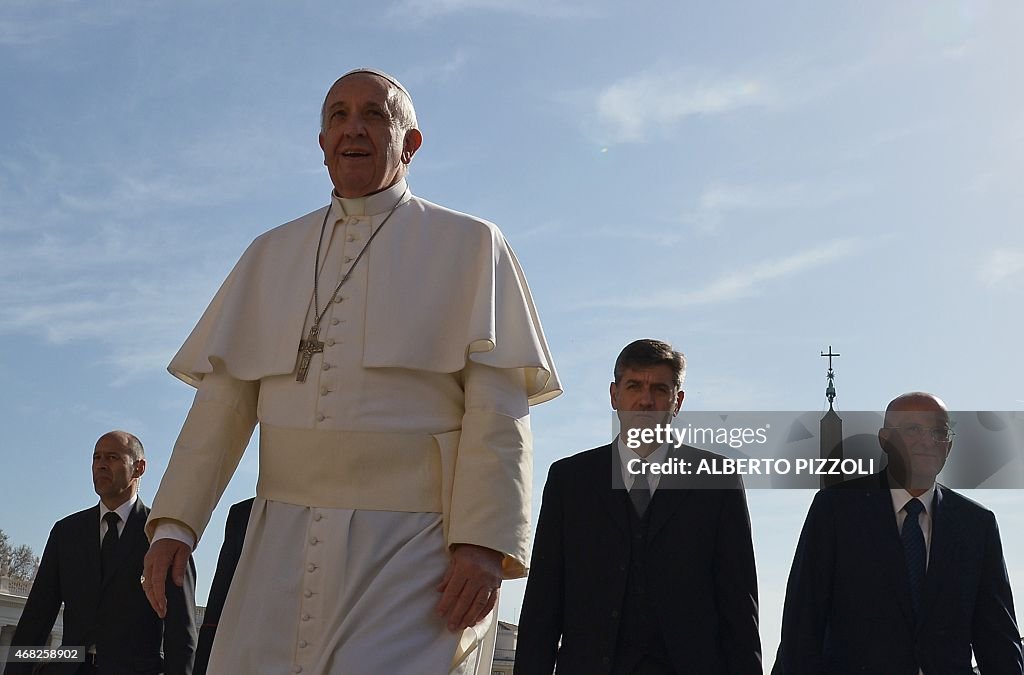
point(370, 205)
point(626, 454)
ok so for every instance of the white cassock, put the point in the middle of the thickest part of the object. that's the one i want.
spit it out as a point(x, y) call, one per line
point(410, 434)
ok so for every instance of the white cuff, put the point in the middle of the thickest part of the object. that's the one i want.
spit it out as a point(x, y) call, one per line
point(171, 530)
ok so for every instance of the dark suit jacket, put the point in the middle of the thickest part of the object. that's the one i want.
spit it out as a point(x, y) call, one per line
point(230, 552)
point(700, 562)
point(111, 613)
point(848, 607)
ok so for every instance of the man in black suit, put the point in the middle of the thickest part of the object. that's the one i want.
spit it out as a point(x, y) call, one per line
point(657, 580)
point(895, 574)
point(227, 561)
point(92, 564)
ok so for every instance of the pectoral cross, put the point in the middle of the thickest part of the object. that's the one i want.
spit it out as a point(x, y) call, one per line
point(307, 348)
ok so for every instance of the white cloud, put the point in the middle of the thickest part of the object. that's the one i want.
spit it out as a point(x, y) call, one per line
point(16, 34)
point(436, 72)
point(41, 22)
point(111, 419)
point(203, 172)
point(132, 292)
point(124, 253)
point(548, 9)
point(632, 107)
point(138, 325)
point(740, 284)
point(1003, 266)
point(719, 200)
point(661, 238)
point(42, 190)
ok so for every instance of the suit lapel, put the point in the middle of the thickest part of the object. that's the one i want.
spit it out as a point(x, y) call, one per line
point(91, 536)
point(941, 550)
point(667, 499)
point(611, 491)
point(129, 538)
point(891, 547)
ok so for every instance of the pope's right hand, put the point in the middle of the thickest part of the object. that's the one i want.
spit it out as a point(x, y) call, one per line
point(165, 555)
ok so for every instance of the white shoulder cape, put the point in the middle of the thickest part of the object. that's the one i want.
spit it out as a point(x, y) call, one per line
point(443, 286)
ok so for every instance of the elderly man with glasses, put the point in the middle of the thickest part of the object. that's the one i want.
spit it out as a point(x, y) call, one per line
point(896, 573)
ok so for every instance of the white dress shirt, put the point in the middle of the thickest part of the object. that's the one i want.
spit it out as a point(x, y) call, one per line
point(900, 497)
point(123, 511)
point(626, 454)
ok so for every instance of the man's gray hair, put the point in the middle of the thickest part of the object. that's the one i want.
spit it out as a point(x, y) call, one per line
point(649, 353)
point(399, 100)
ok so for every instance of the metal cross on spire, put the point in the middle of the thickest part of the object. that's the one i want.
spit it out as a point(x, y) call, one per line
point(830, 390)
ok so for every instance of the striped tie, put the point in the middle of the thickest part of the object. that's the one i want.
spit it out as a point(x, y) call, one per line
point(914, 551)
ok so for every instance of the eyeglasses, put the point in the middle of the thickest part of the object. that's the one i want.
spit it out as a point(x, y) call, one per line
point(916, 431)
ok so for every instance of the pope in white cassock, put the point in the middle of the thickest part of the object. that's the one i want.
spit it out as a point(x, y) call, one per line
point(389, 349)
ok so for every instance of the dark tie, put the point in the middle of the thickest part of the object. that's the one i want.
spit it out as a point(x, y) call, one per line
point(640, 493)
point(914, 550)
point(109, 545)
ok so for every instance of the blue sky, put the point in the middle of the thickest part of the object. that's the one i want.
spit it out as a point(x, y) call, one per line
point(751, 181)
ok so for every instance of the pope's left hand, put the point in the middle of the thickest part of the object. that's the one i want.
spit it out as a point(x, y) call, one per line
point(469, 589)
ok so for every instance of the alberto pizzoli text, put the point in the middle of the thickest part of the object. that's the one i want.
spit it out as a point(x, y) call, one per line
point(745, 466)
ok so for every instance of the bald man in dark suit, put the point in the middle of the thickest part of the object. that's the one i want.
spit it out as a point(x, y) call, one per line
point(92, 564)
point(896, 574)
